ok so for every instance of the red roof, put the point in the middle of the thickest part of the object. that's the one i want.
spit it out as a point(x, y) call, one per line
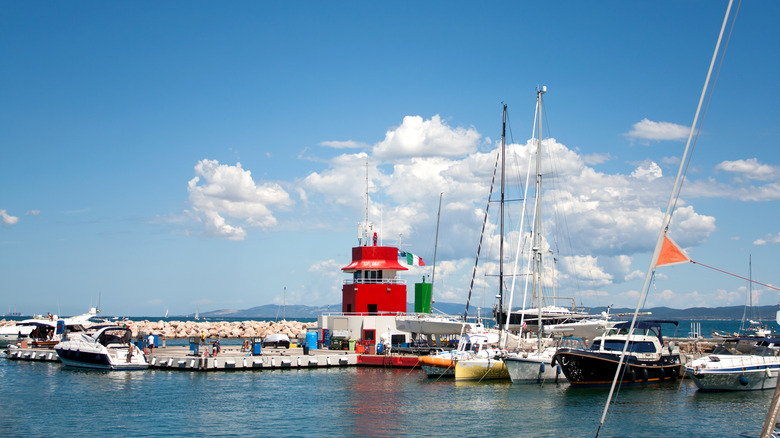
point(374, 258)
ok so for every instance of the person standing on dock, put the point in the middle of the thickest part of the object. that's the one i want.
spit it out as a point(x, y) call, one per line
point(150, 342)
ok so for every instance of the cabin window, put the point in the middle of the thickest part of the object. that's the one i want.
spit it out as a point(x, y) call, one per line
point(349, 308)
point(372, 309)
point(617, 345)
point(369, 336)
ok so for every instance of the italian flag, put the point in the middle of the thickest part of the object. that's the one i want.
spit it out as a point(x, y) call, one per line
point(411, 259)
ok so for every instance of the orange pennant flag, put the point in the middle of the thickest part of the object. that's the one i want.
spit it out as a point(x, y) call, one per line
point(671, 254)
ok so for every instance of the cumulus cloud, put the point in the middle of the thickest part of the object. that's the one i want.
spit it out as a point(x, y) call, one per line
point(647, 171)
point(750, 169)
point(649, 130)
point(220, 192)
point(426, 138)
point(769, 239)
point(7, 218)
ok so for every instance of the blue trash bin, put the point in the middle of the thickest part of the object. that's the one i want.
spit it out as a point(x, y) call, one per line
point(311, 340)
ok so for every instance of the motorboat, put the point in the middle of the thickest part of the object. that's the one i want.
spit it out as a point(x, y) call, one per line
point(43, 331)
point(110, 348)
point(528, 319)
point(728, 369)
point(536, 366)
point(647, 359)
point(588, 328)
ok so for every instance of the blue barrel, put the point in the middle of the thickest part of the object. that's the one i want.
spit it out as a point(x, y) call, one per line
point(311, 340)
point(379, 348)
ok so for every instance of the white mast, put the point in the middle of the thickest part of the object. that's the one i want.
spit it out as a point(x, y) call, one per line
point(537, 242)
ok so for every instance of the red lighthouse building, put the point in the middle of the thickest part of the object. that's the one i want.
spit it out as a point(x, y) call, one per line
point(374, 288)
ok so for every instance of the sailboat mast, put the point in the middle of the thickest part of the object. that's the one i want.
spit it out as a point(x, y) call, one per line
point(537, 243)
point(435, 248)
point(501, 231)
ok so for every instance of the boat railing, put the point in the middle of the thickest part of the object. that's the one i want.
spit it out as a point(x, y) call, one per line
point(374, 281)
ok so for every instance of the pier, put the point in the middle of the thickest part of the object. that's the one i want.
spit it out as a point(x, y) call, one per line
point(230, 359)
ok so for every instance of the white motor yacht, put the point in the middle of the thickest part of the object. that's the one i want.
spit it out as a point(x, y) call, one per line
point(108, 349)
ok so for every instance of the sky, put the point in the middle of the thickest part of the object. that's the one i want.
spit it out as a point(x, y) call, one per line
point(194, 156)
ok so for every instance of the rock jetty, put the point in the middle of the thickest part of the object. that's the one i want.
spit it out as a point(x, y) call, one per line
point(212, 329)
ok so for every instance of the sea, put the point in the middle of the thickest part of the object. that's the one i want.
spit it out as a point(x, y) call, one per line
point(47, 399)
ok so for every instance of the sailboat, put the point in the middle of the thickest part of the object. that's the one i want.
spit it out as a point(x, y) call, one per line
point(166, 313)
point(533, 319)
point(536, 365)
point(488, 365)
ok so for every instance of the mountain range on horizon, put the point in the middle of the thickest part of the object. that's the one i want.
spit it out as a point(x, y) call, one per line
point(761, 313)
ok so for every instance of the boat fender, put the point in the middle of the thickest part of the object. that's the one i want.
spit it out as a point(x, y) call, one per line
point(743, 380)
point(541, 367)
point(644, 374)
point(557, 370)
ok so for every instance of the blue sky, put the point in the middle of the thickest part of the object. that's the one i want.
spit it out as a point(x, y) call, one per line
point(196, 155)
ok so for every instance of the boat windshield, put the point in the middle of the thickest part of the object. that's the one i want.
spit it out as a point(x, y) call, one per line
point(638, 331)
point(617, 345)
point(118, 336)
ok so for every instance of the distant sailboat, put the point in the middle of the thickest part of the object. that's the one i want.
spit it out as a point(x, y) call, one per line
point(196, 314)
point(166, 313)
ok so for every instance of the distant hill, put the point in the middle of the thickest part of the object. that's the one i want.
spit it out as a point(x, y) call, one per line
point(766, 313)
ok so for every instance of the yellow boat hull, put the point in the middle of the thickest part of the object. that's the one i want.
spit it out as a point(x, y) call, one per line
point(481, 369)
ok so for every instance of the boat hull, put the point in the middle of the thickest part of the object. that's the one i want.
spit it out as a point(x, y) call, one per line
point(734, 373)
point(437, 366)
point(585, 368)
point(533, 369)
point(95, 361)
point(481, 369)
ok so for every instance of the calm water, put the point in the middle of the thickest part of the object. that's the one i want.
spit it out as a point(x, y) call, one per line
point(39, 399)
point(47, 399)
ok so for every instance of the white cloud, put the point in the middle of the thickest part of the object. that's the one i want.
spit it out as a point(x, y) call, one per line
point(230, 192)
point(647, 171)
point(33, 212)
point(750, 169)
point(7, 218)
point(594, 159)
point(426, 138)
point(649, 130)
point(349, 144)
point(588, 267)
point(771, 239)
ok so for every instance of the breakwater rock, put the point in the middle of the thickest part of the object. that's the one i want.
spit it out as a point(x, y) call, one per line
point(218, 329)
point(212, 329)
